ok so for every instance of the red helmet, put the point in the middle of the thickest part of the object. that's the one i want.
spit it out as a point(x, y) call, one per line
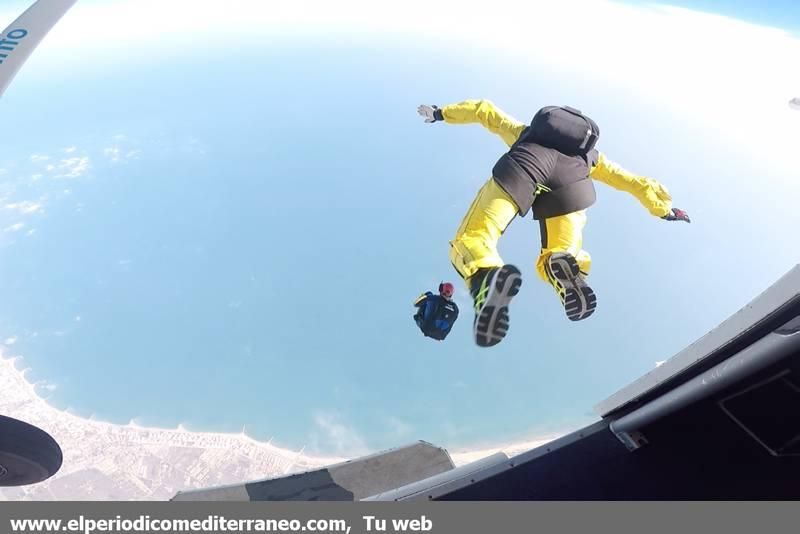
point(446, 289)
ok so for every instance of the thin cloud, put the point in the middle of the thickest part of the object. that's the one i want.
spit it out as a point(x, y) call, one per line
point(25, 207)
point(332, 434)
point(112, 153)
point(118, 153)
point(73, 167)
point(39, 158)
point(14, 227)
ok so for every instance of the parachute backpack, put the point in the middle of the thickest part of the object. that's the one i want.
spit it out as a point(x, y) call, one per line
point(564, 129)
point(547, 169)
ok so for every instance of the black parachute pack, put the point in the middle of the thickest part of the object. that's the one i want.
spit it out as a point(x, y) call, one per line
point(564, 129)
point(548, 167)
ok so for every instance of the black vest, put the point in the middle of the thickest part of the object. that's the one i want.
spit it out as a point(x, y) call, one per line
point(545, 179)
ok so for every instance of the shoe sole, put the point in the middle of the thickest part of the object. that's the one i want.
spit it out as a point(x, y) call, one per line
point(491, 323)
point(579, 299)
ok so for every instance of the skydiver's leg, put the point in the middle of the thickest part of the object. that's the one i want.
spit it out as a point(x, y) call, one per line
point(565, 265)
point(475, 244)
point(474, 255)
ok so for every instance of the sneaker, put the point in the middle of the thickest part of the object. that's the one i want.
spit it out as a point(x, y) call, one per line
point(492, 289)
point(576, 296)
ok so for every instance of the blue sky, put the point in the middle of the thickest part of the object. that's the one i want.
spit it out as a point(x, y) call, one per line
point(779, 13)
point(234, 237)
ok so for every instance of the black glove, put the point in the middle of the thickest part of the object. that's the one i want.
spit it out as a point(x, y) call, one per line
point(676, 215)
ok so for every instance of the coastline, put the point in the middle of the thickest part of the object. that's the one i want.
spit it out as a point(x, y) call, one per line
point(107, 461)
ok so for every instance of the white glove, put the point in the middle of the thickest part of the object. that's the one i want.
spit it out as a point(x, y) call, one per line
point(429, 112)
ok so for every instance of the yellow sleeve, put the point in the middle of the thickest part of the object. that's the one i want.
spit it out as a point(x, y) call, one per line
point(650, 193)
point(488, 115)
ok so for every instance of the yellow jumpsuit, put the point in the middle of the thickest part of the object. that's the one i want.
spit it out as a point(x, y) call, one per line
point(475, 244)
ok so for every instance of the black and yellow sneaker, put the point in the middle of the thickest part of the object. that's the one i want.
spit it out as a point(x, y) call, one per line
point(576, 296)
point(492, 290)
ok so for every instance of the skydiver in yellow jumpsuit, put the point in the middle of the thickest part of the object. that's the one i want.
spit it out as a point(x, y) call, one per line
point(548, 169)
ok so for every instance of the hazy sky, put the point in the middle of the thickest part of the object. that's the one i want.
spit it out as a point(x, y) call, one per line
point(222, 219)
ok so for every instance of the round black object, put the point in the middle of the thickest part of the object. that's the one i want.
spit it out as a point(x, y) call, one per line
point(28, 454)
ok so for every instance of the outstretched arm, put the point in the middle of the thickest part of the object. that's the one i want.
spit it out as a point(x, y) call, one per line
point(649, 192)
point(480, 111)
point(422, 298)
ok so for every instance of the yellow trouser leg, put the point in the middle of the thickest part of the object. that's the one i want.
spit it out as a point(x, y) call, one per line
point(475, 244)
point(563, 234)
